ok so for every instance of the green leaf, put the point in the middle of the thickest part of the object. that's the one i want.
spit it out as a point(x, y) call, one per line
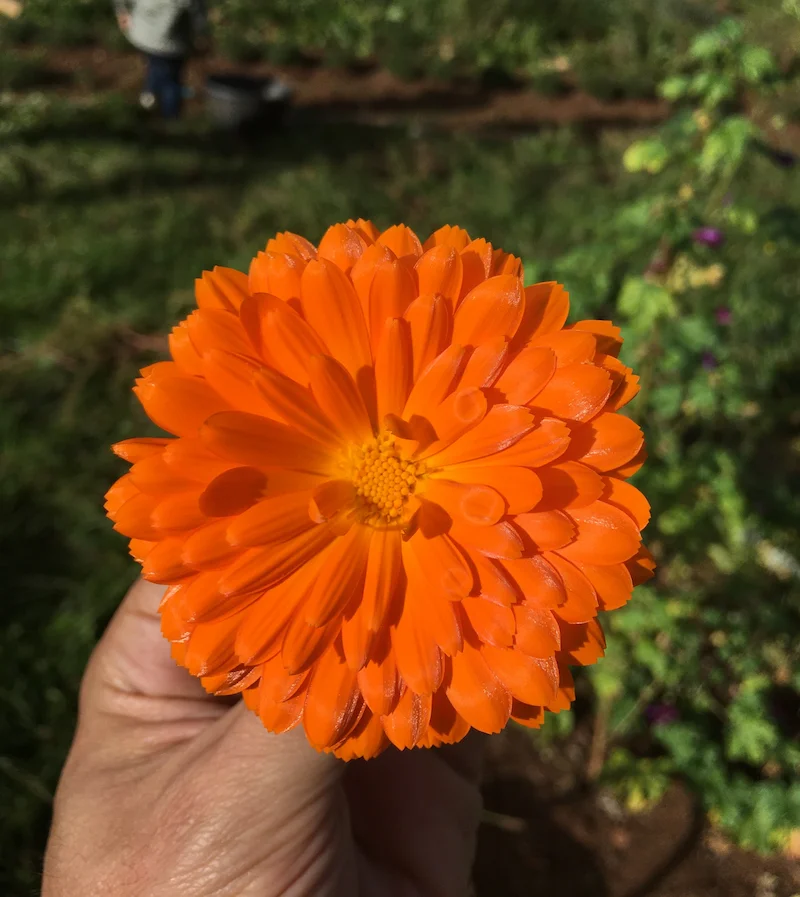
point(674, 88)
point(645, 303)
point(757, 64)
point(725, 146)
point(646, 155)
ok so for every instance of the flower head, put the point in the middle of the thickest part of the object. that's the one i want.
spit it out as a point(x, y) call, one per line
point(709, 236)
point(395, 497)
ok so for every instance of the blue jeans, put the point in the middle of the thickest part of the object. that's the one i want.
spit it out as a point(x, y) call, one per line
point(164, 81)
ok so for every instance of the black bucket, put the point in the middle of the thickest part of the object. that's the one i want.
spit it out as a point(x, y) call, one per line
point(241, 102)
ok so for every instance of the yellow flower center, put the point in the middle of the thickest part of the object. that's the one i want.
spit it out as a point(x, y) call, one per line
point(383, 479)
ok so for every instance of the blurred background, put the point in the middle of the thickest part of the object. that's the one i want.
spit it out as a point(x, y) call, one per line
point(641, 153)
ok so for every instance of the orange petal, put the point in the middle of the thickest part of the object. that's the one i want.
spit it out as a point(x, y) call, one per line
point(401, 240)
point(364, 270)
point(546, 310)
point(182, 349)
point(261, 568)
point(493, 623)
point(281, 336)
point(541, 445)
point(533, 680)
point(419, 661)
point(292, 244)
point(330, 498)
point(526, 715)
point(392, 290)
point(278, 274)
point(139, 549)
point(407, 723)
point(547, 529)
point(537, 632)
point(180, 511)
point(255, 441)
point(264, 622)
point(340, 580)
point(435, 382)
point(494, 582)
point(333, 703)
point(366, 741)
point(625, 384)
point(581, 603)
point(232, 492)
point(164, 563)
point(443, 564)
point(456, 415)
point(431, 323)
point(271, 520)
point(278, 685)
point(527, 375)
point(222, 288)
point(210, 647)
point(366, 228)
point(155, 476)
point(393, 367)
point(446, 726)
point(642, 566)
point(474, 504)
point(294, 405)
point(582, 643)
point(303, 644)
point(208, 547)
point(606, 443)
point(505, 263)
point(378, 683)
point(519, 487)
point(191, 459)
point(608, 338)
point(282, 717)
point(339, 399)
point(627, 470)
point(503, 426)
point(341, 245)
point(331, 307)
point(120, 493)
point(492, 310)
point(138, 449)
point(476, 692)
point(382, 576)
point(537, 581)
point(455, 237)
point(613, 584)
point(484, 364)
point(441, 271)
point(498, 541)
point(232, 377)
point(569, 346)
point(435, 616)
point(574, 392)
point(214, 328)
point(606, 535)
point(568, 484)
point(476, 257)
point(179, 405)
point(627, 498)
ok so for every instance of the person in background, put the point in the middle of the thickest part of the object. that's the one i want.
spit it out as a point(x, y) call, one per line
point(166, 31)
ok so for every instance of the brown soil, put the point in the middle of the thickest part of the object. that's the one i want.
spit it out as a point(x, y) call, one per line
point(372, 95)
point(545, 833)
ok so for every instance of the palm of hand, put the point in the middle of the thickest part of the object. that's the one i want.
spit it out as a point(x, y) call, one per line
point(170, 792)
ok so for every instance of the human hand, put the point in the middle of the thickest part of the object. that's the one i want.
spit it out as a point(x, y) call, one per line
point(169, 792)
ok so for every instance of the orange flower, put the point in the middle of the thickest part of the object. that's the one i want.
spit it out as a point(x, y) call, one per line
point(397, 495)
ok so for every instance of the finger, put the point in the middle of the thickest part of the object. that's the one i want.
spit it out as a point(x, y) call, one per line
point(132, 682)
point(418, 811)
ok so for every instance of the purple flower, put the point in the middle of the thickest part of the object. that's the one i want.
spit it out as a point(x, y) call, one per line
point(708, 236)
point(709, 361)
point(661, 714)
point(724, 315)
